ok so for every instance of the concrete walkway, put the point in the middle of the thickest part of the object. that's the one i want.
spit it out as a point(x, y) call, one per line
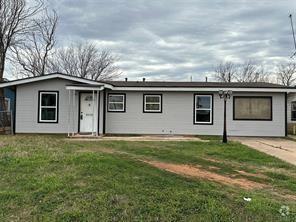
point(279, 147)
point(137, 138)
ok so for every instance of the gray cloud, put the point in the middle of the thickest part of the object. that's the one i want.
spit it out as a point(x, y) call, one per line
point(176, 39)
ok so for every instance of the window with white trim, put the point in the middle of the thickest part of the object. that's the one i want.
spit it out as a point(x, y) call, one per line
point(116, 102)
point(293, 111)
point(153, 103)
point(203, 109)
point(48, 107)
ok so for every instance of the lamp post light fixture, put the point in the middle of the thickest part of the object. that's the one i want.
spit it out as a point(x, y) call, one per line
point(225, 95)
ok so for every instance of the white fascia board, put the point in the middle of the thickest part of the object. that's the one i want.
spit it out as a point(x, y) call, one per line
point(81, 88)
point(53, 76)
point(202, 89)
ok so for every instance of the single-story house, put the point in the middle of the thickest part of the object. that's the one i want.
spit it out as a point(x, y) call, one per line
point(58, 103)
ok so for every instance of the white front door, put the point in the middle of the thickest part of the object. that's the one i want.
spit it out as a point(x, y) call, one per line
point(88, 113)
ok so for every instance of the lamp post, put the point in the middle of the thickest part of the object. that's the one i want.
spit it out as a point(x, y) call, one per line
point(225, 95)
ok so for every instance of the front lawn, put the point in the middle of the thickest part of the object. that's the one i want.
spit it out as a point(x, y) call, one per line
point(49, 178)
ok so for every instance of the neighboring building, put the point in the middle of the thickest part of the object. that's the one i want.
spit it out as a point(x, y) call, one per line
point(9, 96)
point(291, 113)
point(58, 103)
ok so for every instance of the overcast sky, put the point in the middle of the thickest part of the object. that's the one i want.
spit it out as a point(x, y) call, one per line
point(176, 39)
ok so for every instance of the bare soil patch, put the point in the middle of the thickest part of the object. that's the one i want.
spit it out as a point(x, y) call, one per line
point(213, 160)
point(244, 173)
point(191, 171)
point(101, 149)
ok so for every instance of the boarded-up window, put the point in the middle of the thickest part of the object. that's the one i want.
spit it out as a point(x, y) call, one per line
point(252, 108)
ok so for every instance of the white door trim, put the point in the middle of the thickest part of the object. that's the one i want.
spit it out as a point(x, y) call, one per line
point(94, 111)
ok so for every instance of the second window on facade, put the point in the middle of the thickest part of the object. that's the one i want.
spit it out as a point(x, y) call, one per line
point(152, 103)
point(203, 109)
point(116, 103)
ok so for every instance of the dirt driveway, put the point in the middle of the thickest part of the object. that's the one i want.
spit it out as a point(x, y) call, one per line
point(279, 147)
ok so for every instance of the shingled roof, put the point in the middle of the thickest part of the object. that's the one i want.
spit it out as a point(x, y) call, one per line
point(194, 84)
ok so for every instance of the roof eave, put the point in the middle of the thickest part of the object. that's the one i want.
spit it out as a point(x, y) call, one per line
point(204, 89)
point(53, 76)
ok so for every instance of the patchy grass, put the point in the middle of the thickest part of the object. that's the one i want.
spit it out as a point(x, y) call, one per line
point(47, 178)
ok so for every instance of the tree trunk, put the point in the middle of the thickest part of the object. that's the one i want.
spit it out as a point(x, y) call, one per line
point(2, 65)
point(2, 96)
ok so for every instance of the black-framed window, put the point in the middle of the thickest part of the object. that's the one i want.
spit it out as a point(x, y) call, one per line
point(152, 103)
point(252, 108)
point(293, 111)
point(48, 106)
point(116, 102)
point(203, 109)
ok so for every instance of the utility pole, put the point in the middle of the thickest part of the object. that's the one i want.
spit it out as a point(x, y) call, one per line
point(293, 33)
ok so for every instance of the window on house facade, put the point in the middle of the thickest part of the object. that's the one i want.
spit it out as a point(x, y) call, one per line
point(203, 109)
point(7, 104)
point(116, 102)
point(153, 103)
point(48, 107)
point(293, 111)
point(252, 108)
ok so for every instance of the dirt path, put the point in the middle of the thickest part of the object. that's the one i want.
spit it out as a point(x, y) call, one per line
point(279, 147)
point(193, 171)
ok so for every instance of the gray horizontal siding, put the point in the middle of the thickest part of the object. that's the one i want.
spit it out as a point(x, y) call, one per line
point(27, 108)
point(177, 117)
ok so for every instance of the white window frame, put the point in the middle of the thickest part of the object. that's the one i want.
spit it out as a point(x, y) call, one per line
point(123, 102)
point(41, 93)
point(198, 109)
point(153, 103)
point(8, 104)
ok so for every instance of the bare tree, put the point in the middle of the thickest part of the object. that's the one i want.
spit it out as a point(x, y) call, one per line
point(226, 72)
point(246, 72)
point(16, 20)
point(34, 54)
point(250, 72)
point(87, 61)
point(286, 73)
point(15, 23)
